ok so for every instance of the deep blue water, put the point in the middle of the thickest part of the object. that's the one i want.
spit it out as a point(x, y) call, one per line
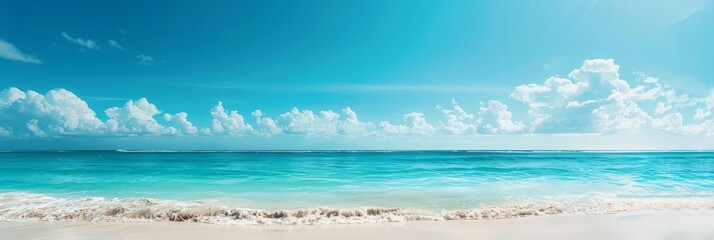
point(417, 179)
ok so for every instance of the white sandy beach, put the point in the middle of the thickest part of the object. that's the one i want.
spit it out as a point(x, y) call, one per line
point(640, 225)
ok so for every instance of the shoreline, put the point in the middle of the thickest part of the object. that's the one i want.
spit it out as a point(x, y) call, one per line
point(21, 206)
point(669, 224)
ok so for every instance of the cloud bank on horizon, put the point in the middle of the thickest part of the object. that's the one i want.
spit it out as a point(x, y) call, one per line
point(592, 99)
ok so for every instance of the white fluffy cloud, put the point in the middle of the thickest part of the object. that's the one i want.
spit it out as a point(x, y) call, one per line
point(34, 129)
point(458, 121)
point(86, 43)
point(61, 113)
point(494, 117)
point(134, 117)
point(229, 123)
point(701, 114)
point(416, 125)
point(591, 99)
point(57, 112)
point(594, 99)
point(307, 122)
point(705, 111)
point(10, 52)
point(267, 126)
point(351, 125)
point(180, 124)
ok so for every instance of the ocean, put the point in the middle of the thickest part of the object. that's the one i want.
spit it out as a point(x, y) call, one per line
point(327, 187)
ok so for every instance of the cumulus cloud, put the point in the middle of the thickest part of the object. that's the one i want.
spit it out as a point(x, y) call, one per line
point(34, 129)
point(57, 112)
point(266, 126)
point(590, 99)
point(11, 95)
point(351, 125)
point(416, 125)
point(229, 123)
point(593, 98)
point(701, 114)
point(307, 122)
point(180, 124)
point(134, 117)
point(389, 128)
point(494, 117)
point(10, 52)
point(706, 110)
point(60, 112)
point(458, 121)
point(146, 60)
point(86, 43)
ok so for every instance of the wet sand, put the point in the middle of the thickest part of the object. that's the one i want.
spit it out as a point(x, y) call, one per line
point(641, 225)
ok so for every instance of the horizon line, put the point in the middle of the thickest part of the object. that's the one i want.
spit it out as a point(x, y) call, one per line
point(349, 150)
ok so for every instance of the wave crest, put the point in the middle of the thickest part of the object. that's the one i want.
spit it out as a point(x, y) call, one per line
point(16, 206)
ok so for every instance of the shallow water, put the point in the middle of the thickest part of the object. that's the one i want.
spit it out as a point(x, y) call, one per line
point(435, 182)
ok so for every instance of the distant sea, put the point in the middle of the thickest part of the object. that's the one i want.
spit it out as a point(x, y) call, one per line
point(327, 187)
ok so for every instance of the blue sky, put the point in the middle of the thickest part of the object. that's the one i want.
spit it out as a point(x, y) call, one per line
point(383, 60)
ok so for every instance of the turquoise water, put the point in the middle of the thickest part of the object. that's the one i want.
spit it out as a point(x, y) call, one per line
point(428, 180)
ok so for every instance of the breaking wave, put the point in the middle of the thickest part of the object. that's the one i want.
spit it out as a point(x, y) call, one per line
point(22, 206)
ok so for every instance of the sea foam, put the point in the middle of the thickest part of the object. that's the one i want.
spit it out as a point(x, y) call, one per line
point(23, 206)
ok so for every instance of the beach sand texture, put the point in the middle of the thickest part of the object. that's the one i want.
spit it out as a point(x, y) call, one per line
point(641, 225)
